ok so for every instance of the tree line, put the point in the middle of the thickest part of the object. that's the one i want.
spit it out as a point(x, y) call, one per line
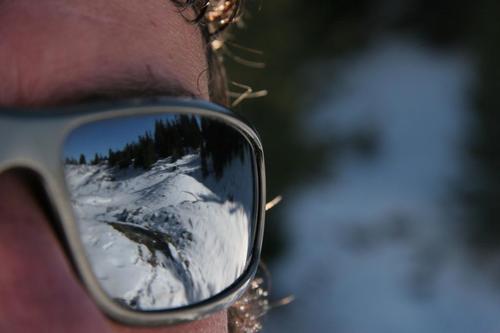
point(216, 143)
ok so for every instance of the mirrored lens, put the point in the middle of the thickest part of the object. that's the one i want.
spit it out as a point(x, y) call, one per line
point(164, 205)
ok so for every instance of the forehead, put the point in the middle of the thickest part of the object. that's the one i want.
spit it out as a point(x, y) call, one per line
point(50, 49)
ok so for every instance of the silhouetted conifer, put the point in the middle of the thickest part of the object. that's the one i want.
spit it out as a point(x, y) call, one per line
point(216, 143)
point(97, 159)
point(70, 160)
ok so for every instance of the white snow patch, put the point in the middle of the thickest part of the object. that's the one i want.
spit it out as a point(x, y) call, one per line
point(197, 240)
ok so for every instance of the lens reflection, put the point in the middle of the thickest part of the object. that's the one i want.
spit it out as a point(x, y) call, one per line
point(164, 205)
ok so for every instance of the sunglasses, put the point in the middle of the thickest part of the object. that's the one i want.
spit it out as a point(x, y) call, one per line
point(160, 201)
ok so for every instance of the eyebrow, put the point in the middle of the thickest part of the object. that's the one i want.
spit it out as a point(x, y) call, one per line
point(123, 87)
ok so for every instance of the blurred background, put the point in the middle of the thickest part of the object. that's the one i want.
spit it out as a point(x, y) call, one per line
point(382, 133)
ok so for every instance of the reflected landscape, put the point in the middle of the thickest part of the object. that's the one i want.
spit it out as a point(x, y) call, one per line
point(164, 205)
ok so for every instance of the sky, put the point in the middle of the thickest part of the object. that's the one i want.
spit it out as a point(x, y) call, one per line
point(100, 136)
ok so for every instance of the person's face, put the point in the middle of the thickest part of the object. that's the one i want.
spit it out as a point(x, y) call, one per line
point(58, 52)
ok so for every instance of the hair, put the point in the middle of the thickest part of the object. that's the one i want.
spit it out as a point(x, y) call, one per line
point(214, 17)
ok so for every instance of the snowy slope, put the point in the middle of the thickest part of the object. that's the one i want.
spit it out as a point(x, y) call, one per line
point(161, 238)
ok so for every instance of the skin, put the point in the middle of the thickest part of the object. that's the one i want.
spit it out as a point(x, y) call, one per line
point(63, 51)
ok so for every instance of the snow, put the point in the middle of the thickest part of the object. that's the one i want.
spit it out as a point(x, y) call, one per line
point(375, 245)
point(165, 237)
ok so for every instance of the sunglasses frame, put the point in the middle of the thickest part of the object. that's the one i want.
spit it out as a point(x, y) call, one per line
point(35, 141)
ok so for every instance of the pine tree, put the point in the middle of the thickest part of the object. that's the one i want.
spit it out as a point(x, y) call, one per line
point(70, 160)
point(96, 159)
point(112, 158)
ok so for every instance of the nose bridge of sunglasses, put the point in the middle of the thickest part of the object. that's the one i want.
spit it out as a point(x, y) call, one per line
point(30, 142)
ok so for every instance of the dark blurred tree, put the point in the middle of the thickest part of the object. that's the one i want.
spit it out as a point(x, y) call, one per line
point(221, 146)
point(125, 157)
point(144, 152)
point(297, 37)
point(161, 139)
point(82, 159)
point(292, 36)
point(113, 158)
point(483, 196)
point(97, 159)
point(70, 160)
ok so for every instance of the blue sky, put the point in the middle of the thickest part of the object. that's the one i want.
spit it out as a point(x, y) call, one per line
point(100, 136)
